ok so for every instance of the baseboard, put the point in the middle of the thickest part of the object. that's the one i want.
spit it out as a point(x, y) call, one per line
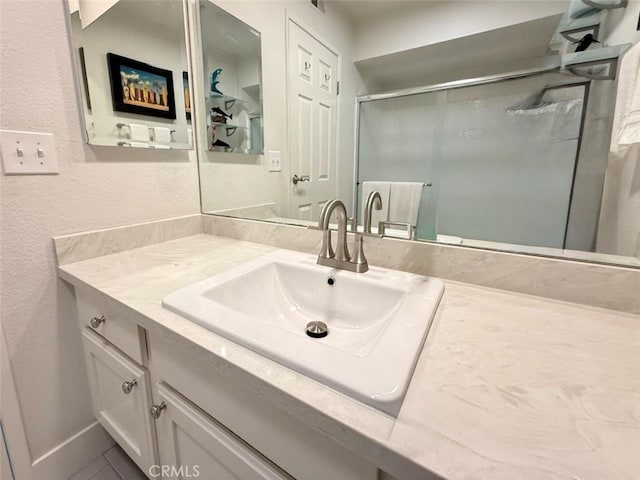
point(73, 454)
point(11, 415)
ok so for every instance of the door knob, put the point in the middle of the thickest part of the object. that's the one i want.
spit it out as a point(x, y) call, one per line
point(302, 178)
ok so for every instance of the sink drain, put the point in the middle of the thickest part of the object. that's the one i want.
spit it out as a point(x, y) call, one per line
point(317, 329)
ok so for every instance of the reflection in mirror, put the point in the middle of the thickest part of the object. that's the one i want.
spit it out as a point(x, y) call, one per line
point(494, 131)
point(498, 161)
point(133, 76)
point(231, 56)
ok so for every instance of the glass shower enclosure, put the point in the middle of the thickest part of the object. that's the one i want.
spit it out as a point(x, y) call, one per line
point(497, 160)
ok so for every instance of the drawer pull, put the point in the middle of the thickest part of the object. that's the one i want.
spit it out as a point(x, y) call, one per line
point(156, 410)
point(128, 386)
point(96, 321)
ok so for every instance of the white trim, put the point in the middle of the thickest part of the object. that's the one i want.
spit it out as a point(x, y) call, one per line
point(12, 418)
point(72, 455)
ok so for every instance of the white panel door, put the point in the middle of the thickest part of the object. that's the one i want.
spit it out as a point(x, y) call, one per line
point(193, 444)
point(312, 71)
point(124, 415)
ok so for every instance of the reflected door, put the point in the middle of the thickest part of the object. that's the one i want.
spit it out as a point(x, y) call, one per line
point(312, 101)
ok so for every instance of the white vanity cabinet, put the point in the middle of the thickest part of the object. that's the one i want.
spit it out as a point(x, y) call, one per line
point(121, 395)
point(266, 428)
point(174, 412)
point(195, 444)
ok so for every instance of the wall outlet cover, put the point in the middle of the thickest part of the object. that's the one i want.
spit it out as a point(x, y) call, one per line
point(28, 153)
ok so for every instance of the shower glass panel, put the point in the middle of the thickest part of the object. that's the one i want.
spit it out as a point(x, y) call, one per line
point(500, 157)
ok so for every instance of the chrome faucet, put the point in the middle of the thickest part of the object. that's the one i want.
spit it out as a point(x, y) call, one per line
point(340, 258)
point(373, 200)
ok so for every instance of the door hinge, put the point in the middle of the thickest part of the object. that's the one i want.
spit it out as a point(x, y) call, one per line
point(337, 88)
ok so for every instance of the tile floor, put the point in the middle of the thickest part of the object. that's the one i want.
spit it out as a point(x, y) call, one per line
point(114, 464)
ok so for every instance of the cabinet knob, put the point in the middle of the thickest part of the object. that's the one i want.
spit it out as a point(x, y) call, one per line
point(128, 386)
point(156, 410)
point(96, 321)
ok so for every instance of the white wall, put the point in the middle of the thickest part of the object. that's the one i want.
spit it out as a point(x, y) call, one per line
point(247, 176)
point(97, 187)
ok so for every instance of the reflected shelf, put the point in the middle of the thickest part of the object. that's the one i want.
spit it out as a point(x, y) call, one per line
point(245, 151)
point(596, 64)
point(128, 143)
point(228, 125)
point(228, 100)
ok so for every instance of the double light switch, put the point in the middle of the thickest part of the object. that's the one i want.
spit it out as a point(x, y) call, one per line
point(28, 153)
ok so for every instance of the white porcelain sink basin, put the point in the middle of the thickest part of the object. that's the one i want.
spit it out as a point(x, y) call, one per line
point(377, 321)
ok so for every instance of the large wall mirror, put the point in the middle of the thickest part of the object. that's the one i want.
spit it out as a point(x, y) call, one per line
point(492, 131)
point(133, 76)
point(497, 130)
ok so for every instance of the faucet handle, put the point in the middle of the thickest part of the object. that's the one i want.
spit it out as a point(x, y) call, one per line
point(359, 260)
point(353, 224)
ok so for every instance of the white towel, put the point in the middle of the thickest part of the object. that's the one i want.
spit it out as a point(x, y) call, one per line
point(378, 215)
point(626, 120)
point(139, 145)
point(404, 202)
point(162, 134)
point(139, 133)
point(161, 147)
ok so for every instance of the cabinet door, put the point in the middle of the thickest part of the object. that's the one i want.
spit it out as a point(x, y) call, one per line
point(124, 415)
point(192, 443)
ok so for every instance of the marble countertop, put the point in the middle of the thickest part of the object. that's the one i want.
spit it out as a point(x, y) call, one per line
point(508, 386)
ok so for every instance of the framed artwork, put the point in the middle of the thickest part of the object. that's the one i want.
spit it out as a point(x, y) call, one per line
point(187, 96)
point(137, 87)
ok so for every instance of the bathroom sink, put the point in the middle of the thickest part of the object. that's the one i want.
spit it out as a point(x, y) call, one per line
point(377, 321)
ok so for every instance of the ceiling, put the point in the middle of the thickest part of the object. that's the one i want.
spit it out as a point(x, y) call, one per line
point(358, 10)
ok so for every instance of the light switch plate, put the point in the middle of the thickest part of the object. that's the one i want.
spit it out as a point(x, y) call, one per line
point(28, 153)
point(275, 161)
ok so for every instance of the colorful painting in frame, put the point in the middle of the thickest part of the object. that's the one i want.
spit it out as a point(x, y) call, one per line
point(187, 95)
point(140, 88)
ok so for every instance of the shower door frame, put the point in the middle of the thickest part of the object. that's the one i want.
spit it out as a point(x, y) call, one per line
point(472, 82)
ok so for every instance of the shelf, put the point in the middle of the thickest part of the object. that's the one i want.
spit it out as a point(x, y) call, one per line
point(606, 5)
point(245, 151)
point(573, 30)
point(230, 129)
point(596, 64)
point(228, 125)
point(224, 97)
point(228, 100)
point(603, 55)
